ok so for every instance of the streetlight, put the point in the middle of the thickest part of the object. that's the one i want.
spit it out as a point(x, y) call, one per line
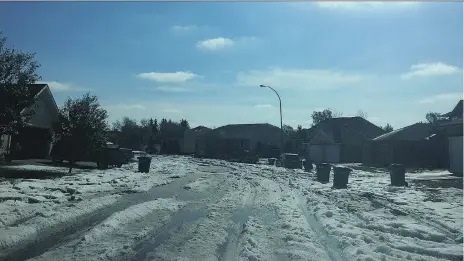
point(281, 126)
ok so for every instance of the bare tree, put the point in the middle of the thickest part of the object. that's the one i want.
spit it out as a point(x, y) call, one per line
point(337, 114)
point(362, 114)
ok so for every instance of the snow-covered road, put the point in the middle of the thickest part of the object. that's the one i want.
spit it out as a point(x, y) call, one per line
point(193, 209)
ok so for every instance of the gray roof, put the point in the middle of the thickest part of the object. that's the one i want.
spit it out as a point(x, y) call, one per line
point(33, 88)
point(252, 126)
point(343, 129)
point(201, 128)
point(415, 132)
point(263, 132)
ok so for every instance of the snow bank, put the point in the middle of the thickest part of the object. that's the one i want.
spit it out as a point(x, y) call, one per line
point(116, 236)
point(129, 215)
point(82, 185)
point(375, 221)
point(201, 184)
point(370, 220)
point(11, 236)
point(42, 168)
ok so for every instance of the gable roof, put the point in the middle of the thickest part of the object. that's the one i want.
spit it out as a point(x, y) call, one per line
point(321, 137)
point(36, 88)
point(414, 132)
point(248, 126)
point(456, 112)
point(33, 88)
point(344, 129)
point(246, 130)
point(201, 128)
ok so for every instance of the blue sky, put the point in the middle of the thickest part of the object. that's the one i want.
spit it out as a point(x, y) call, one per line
point(204, 61)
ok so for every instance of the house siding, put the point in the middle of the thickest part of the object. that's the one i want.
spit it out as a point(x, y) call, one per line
point(227, 140)
point(45, 111)
point(420, 153)
point(190, 140)
point(327, 153)
point(35, 140)
point(455, 153)
point(350, 134)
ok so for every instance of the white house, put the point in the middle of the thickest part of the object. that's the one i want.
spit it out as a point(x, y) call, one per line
point(35, 139)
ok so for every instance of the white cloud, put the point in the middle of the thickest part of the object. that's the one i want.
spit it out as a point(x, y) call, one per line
point(220, 43)
point(184, 28)
point(172, 89)
point(430, 69)
point(444, 97)
point(297, 78)
point(215, 44)
point(175, 77)
point(263, 106)
point(176, 111)
point(63, 87)
point(355, 6)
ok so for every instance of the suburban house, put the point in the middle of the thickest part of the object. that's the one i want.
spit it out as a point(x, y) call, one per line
point(113, 136)
point(35, 140)
point(191, 136)
point(451, 128)
point(340, 140)
point(417, 145)
point(227, 140)
point(170, 146)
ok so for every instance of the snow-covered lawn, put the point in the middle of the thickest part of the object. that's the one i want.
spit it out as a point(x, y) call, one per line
point(375, 221)
point(283, 214)
point(112, 237)
point(28, 206)
point(371, 220)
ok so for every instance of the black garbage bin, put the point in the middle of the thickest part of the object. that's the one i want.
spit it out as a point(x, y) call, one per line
point(323, 172)
point(397, 175)
point(271, 161)
point(308, 165)
point(144, 164)
point(341, 175)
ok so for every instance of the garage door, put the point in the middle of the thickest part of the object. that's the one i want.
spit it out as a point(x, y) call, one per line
point(324, 153)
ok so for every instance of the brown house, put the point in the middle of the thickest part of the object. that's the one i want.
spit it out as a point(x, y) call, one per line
point(34, 140)
point(340, 140)
point(228, 140)
point(417, 145)
point(189, 142)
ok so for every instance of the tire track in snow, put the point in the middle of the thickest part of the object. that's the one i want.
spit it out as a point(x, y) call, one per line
point(187, 228)
point(68, 231)
point(230, 251)
point(329, 243)
point(397, 210)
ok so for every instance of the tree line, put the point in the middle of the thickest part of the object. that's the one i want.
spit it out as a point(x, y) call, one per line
point(145, 134)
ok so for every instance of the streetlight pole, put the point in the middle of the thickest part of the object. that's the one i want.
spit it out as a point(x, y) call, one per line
point(281, 125)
